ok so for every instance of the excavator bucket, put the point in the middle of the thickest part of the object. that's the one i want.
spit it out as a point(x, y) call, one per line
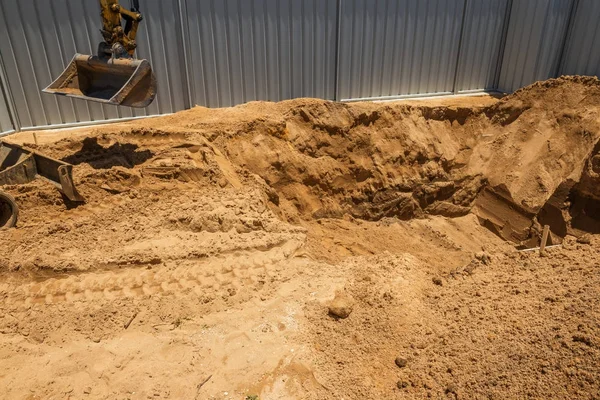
point(19, 165)
point(122, 82)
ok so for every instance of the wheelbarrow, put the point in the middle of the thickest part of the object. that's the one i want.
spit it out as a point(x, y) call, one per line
point(19, 165)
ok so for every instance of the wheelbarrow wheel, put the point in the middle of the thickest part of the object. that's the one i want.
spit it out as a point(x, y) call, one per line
point(9, 211)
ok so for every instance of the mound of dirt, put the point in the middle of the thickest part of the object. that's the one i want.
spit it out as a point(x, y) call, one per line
point(518, 326)
point(227, 233)
point(517, 163)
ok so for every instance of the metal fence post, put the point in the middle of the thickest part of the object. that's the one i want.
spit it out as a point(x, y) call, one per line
point(460, 40)
point(7, 95)
point(336, 93)
point(565, 41)
point(182, 5)
point(500, 58)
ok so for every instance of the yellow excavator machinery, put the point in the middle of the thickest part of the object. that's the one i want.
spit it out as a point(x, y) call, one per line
point(112, 76)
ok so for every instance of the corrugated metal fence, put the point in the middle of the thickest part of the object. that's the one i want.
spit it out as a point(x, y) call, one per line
point(6, 122)
point(390, 48)
point(582, 53)
point(260, 50)
point(41, 36)
point(535, 41)
point(225, 52)
point(484, 29)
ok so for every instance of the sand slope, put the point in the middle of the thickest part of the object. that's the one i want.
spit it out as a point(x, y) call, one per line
point(212, 242)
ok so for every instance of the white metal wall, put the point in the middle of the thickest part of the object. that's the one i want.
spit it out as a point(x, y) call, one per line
point(6, 122)
point(243, 50)
point(41, 36)
point(534, 42)
point(480, 46)
point(160, 41)
point(390, 48)
point(582, 51)
point(224, 52)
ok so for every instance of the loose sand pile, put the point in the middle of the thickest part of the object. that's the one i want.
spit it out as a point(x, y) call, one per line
point(213, 241)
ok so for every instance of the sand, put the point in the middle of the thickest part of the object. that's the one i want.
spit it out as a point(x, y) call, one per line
point(214, 244)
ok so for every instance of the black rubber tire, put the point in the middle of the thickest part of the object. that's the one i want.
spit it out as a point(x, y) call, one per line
point(9, 211)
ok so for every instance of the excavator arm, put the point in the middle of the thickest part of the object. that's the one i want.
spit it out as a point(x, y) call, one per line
point(112, 76)
point(112, 30)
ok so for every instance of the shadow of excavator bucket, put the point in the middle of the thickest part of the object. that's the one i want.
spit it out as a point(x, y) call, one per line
point(121, 82)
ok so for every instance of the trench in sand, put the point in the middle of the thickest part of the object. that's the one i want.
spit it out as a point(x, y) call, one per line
point(229, 231)
point(525, 161)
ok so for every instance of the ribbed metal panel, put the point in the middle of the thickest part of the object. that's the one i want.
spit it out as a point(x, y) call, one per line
point(6, 121)
point(480, 44)
point(398, 47)
point(6, 124)
point(225, 52)
point(582, 54)
point(242, 50)
point(160, 41)
point(40, 37)
point(534, 42)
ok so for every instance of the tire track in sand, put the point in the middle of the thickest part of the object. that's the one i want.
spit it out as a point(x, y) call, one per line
point(215, 275)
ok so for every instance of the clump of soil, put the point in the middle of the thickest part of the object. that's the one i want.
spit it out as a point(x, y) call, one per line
point(546, 147)
point(227, 233)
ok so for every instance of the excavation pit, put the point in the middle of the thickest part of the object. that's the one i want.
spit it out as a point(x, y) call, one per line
point(215, 236)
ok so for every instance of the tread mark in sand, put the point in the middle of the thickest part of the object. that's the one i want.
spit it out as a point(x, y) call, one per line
point(210, 276)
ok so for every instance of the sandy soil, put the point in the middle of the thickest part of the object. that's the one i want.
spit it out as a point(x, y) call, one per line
point(314, 250)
